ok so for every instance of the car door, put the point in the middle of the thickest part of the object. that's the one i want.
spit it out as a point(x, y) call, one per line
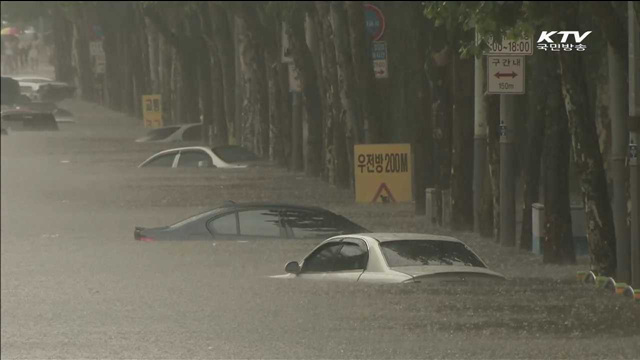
point(192, 159)
point(341, 260)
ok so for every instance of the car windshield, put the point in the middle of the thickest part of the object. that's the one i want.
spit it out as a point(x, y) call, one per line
point(428, 252)
point(234, 154)
point(162, 133)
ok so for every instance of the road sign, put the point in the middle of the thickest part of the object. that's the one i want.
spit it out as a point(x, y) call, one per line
point(95, 48)
point(505, 74)
point(374, 21)
point(521, 46)
point(152, 111)
point(379, 56)
point(383, 173)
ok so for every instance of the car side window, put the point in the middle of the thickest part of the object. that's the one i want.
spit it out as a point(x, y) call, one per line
point(224, 225)
point(162, 161)
point(323, 259)
point(311, 225)
point(353, 256)
point(262, 223)
point(191, 158)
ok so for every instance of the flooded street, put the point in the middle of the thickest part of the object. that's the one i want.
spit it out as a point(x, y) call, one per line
point(75, 284)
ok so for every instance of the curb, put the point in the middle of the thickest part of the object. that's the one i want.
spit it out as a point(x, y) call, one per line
point(609, 284)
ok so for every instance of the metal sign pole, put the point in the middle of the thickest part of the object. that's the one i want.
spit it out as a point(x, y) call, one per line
point(634, 123)
point(507, 180)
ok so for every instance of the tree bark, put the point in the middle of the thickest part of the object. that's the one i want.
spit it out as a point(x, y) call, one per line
point(346, 80)
point(531, 171)
point(363, 66)
point(226, 52)
point(304, 63)
point(62, 45)
point(493, 157)
point(84, 79)
point(588, 159)
point(462, 145)
point(558, 241)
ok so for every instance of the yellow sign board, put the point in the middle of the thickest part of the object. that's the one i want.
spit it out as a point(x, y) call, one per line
point(152, 111)
point(383, 173)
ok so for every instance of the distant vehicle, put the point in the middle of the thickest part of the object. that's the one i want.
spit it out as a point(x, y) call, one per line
point(234, 157)
point(392, 258)
point(10, 93)
point(54, 91)
point(32, 78)
point(182, 132)
point(254, 221)
point(28, 120)
point(61, 115)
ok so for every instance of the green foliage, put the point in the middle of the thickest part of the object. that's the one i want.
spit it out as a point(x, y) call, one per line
point(24, 11)
point(492, 19)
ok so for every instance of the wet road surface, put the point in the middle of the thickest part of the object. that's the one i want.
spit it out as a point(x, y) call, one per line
point(76, 285)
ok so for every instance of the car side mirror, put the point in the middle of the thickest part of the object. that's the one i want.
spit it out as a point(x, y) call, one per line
point(202, 164)
point(292, 267)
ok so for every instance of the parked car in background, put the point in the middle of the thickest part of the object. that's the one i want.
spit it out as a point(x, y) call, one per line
point(10, 93)
point(44, 89)
point(28, 120)
point(202, 157)
point(392, 258)
point(253, 221)
point(182, 132)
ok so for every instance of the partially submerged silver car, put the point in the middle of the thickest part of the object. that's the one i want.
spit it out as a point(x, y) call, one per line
point(392, 258)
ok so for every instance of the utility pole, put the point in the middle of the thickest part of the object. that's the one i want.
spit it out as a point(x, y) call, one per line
point(507, 178)
point(480, 141)
point(634, 128)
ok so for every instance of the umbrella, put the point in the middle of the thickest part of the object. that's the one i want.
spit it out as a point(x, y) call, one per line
point(10, 31)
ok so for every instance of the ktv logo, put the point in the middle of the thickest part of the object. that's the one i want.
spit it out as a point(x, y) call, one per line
point(545, 41)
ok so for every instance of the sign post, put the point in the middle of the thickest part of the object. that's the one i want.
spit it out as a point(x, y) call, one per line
point(152, 111)
point(383, 173)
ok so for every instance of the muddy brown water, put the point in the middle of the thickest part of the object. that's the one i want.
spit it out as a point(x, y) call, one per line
point(76, 285)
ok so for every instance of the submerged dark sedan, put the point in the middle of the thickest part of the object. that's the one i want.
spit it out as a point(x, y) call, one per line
point(253, 221)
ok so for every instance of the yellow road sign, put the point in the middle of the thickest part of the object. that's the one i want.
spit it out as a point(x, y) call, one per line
point(152, 111)
point(383, 173)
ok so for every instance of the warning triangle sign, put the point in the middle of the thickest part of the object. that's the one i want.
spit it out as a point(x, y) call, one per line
point(385, 198)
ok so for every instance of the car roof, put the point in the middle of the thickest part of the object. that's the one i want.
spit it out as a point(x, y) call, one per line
point(386, 237)
point(230, 205)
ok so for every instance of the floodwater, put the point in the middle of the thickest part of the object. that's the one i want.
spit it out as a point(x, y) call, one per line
point(76, 285)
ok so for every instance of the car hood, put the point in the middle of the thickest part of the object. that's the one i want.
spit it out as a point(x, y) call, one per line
point(441, 271)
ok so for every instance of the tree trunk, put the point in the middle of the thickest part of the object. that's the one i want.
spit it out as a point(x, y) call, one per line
point(226, 52)
point(304, 63)
point(84, 80)
point(462, 145)
point(207, 79)
point(493, 157)
point(537, 96)
point(165, 65)
point(154, 56)
point(62, 45)
point(346, 79)
point(588, 159)
point(363, 67)
point(558, 241)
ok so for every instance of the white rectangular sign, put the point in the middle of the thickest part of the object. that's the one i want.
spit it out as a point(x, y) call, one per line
point(95, 48)
point(505, 74)
point(380, 63)
point(521, 46)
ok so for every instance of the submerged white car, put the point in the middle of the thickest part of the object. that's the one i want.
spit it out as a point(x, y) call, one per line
point(234, 157)
point(392, 258)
